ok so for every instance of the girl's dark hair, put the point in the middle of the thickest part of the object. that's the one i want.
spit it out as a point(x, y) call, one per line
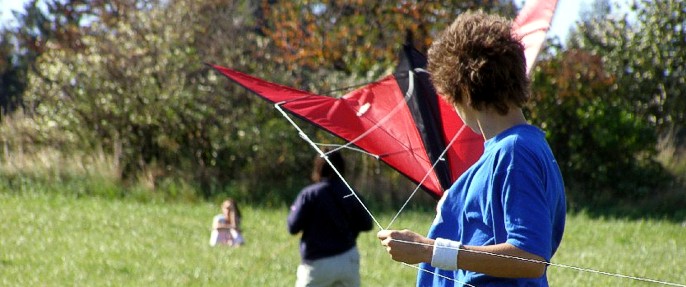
point(233, 203)
point(478, 61)
point(321, 169)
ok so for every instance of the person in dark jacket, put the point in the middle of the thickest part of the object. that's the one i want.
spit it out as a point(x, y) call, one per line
point(330, 219)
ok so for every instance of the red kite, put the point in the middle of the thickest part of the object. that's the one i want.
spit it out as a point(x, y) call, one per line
point(400, 118)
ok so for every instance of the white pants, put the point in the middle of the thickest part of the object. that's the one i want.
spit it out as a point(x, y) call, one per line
point(338, 270)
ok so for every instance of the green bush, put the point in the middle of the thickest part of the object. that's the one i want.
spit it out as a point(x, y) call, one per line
point(606, 153)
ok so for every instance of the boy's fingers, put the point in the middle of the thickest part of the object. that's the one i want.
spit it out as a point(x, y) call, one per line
point(383, 234)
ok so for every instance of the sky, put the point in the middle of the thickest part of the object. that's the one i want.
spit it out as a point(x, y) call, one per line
point(6, 7)
point(567, 13)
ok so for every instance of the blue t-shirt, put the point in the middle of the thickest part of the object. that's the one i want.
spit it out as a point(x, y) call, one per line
point(513, 194)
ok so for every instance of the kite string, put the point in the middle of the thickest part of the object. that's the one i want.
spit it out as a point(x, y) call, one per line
point(437, 274)
point(326, 158)
point(338, 146)
point(427, 174)
point(352, 192)
point(408, 95)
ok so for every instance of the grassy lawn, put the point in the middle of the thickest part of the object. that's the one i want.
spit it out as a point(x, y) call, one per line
point(53, 240)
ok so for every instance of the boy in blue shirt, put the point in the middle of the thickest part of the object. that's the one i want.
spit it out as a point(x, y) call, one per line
point(503, 219)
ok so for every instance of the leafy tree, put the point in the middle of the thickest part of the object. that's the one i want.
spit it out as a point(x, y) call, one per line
point(353, 36)
point(136, 87)
point(605, 152)
point(646, 51)
point(260, 155)
point(21, 47)
point(115, 90)
point(40, 23)
point(603, 102)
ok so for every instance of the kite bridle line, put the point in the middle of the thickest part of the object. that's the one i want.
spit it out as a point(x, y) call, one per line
point(419, 185)
point(326, 158)
point(352, 193)
point(396, 108)
point(338, 147)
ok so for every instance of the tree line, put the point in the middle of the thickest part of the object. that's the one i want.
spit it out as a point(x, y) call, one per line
point(127, 78)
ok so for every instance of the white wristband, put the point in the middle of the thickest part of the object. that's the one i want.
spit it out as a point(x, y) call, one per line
point(445, 254)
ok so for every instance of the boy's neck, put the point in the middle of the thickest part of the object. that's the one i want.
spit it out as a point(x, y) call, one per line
point(491, 123)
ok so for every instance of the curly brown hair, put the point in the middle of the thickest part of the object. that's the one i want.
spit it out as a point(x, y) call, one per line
point(479, 61)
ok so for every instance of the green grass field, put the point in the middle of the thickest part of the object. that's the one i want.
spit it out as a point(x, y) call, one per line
point(55, 240)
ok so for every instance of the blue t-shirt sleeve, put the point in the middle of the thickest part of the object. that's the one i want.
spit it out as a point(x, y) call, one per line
point(526, 212)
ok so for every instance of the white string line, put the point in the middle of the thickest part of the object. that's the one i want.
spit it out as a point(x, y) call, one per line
point(395, 109)
point(350, 148)
point(433, 166)
point(618, 275)
point(440, 158)
point(326, 158)
point(352, 193)
point(304, 136)
point(437, 274)
point(408, 95)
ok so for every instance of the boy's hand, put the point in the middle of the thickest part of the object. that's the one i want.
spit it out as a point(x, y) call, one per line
point(406, 246)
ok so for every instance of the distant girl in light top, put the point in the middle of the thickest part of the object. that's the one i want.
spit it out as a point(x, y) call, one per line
point(226, 225)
